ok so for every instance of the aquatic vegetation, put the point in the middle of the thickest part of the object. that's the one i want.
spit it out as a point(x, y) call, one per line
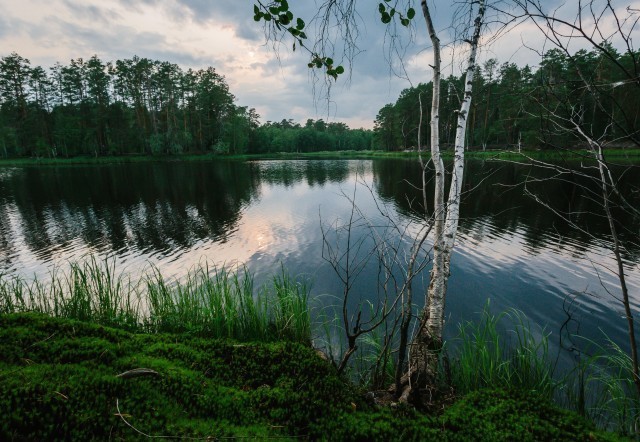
point(208, 302)
point(481, 356)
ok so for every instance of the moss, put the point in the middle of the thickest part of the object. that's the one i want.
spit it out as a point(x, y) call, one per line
point(515, 415)
point(58, 382)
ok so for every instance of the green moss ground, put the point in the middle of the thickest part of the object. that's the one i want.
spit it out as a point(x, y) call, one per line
point(58, 382)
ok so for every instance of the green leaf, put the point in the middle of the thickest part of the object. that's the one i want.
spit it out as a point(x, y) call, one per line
point(284, 19)
point(386, 18)
point(339, 70)
point(257, 17)
point(411, 13)
point(328, 61)
point(284, 6)
point(300, 23)
point(405, 21)
point(392, 12)
point(274, 10)
point(267, 17)
point(381, 8)
point(256, 10)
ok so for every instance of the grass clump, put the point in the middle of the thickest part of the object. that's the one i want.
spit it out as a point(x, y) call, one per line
point(601, 387)
point(208, 302)
point(483, 357)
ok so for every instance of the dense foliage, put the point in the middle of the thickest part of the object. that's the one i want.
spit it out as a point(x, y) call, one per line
point(511, 105)
point(59, 382)
point(141, 106)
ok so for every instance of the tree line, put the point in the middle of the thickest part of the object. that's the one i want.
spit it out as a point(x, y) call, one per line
point(142, 106)
point(512, 106)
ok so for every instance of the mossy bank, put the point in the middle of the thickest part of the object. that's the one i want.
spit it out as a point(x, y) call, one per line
point(59, 381)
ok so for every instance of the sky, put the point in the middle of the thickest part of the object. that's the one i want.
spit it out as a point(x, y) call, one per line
point(222, 33)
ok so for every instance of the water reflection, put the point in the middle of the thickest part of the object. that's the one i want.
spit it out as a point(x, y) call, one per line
point(494, 202)
point(264, 213)
point(291, 172)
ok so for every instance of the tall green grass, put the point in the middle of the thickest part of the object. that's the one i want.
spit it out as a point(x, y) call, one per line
point(208, 301)
point(483, 357)
point(601, 387)
point(504, 351)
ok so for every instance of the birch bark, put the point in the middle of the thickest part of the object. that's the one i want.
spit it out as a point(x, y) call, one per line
point(425, 348)
point(451, 212)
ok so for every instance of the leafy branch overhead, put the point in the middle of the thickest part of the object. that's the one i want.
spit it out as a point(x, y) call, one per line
point(387, 13)
point(278, 14)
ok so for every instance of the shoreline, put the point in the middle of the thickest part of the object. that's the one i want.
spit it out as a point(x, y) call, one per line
point(630, 155)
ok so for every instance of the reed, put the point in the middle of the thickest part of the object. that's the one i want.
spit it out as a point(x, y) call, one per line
point(483, 357)
point(601, 387)
point(208, 302)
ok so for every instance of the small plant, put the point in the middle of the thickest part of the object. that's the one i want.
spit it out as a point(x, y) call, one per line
point(484, 358)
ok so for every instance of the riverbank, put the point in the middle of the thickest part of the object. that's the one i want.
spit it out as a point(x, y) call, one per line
point(622, 155)
point(63, 379)
point(90, 323)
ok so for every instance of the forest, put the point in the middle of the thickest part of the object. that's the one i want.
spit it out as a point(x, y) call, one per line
point(149, 107)
point(512, 105)
point(145, 107)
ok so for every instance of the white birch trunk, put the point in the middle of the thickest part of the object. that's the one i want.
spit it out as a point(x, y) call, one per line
point(445, 239)
point(427, 343)
point(438, 270)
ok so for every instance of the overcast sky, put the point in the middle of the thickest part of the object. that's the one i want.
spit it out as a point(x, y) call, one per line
point(221, 33)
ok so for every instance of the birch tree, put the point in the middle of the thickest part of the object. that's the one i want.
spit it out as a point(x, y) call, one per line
point(427, 341)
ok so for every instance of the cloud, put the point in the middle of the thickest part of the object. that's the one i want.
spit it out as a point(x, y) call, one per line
point(5, 27)
point(237, 16)
point(93, 14)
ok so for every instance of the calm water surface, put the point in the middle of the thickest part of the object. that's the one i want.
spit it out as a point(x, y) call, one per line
point(264, 214)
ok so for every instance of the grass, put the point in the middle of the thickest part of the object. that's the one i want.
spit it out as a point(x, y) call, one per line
point(601, 387)
point(505, 352)
point(483, 357)
point(208, 302)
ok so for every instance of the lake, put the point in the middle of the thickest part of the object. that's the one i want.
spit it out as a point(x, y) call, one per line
point(511, 251)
